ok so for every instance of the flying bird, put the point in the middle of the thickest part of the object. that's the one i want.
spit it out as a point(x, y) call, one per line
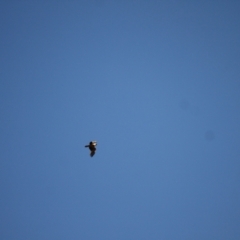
point(92, 147)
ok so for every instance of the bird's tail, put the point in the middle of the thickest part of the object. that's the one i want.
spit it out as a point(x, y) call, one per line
point(87, 146)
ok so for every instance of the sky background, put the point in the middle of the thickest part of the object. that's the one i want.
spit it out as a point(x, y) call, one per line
point(156, 83)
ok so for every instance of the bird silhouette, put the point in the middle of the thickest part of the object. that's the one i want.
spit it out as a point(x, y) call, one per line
point(92, 147)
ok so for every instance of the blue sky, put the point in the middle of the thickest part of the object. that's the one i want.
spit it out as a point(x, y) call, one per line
point(156, 83)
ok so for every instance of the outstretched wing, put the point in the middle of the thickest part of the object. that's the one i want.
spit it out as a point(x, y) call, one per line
point(92, 153)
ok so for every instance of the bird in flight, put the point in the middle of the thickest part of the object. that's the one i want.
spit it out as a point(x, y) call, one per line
point(92, 147)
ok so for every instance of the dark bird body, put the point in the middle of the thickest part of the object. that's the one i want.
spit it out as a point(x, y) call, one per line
point(92, 147)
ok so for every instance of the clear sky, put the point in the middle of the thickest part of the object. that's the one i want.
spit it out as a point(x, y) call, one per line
point(156, 83)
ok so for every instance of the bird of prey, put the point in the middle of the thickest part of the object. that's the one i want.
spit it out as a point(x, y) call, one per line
point(92, 147)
